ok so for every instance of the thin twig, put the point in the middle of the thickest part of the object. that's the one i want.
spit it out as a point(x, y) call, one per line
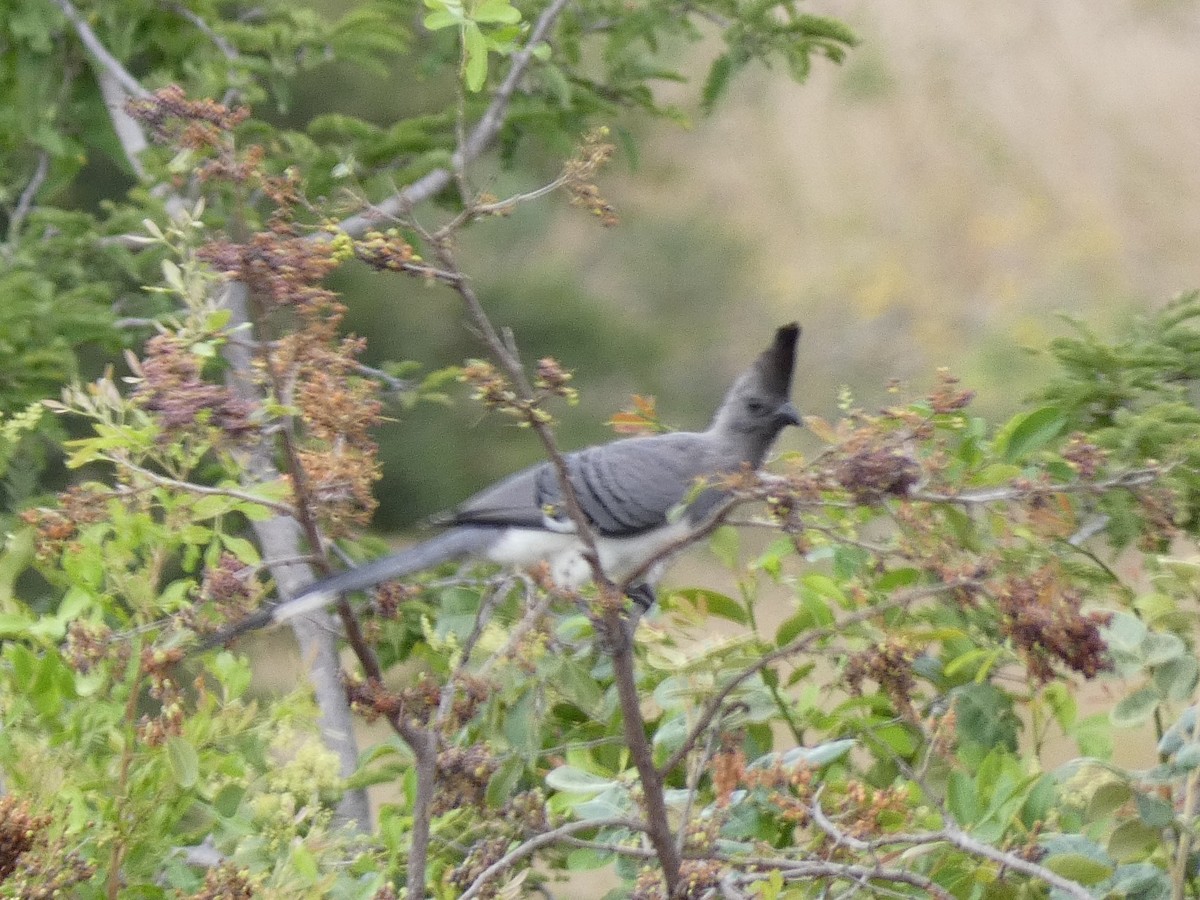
point(25, 201)
point(205, 490)
point(545, 839)
point(1131, 478)
point(227, 49)
point(110, 63)
point(480, 138)
point(713, 707)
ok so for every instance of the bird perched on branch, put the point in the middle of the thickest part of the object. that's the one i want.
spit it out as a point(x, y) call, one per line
point(640, 497)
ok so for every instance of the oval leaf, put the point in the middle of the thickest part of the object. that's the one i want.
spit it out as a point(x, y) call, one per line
point(1135, 708)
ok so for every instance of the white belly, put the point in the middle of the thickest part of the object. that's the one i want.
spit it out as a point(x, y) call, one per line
point(619, 557)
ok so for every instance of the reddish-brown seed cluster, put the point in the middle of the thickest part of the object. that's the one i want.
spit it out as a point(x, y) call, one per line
point(32, 864)
point(579, 172)
point(1043, 619)
point(552, 378)
point(872, 473)
point(281, 268)
point(697, 878)
point(1159, 506)
point(728, 768)
point(947, 396)
point(89, 643)
point(482, 855)
point(228, 592)
point(78, 507)
point(173, 388)
point(1083, 456)
point(226, 882)
point(171, 118)
point(463, 774)
point(888, 664)
point(526, 811)
point(159, 667)
point(371, 699)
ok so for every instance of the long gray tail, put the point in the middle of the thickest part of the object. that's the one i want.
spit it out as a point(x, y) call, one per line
point(465, 540)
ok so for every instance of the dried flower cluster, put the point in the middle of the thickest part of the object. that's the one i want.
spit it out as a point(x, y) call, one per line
point(172, 118)
point(78, 507)
point(159, 666)
point(463, 774)
point(33, 865)
point(482, 855)
point(579, 173)
point(227, 882)
point(698, 878)
point(889, 664)
point(1044, 620)
point(172, 387)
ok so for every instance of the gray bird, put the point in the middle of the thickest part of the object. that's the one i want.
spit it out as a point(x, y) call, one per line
point(630, 492)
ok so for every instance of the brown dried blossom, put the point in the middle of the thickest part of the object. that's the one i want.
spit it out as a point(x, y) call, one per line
point(1044, 620)
point(527, 812)
point(89, 643)
point(463, 774)
point(697, 878)
point(226, 882)
point(281, 269)
point(159, 667)
point(890, 665)
point(78, 507)
point(552, 378)
point(386, 251)
point(872, 473)
point(579, 172)
point(947, 396)
point(34, 865)
point(482, 855)
point(171, 118)
point(173, 388)
point(1083, 456)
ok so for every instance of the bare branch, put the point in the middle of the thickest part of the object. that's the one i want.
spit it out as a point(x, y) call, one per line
point(965, 842)
point(1132, 478)
point(25, 201)
point(283, 509)
point(545, 839)
point(109, 62)
point(227, 49)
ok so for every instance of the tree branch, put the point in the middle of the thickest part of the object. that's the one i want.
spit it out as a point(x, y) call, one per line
point(480, 138)
point(545, 839)
point(108, 62)
point(25, 201)
point(713, 707)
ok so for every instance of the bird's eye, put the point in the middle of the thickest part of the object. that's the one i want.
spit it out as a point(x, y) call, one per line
point(756, 407)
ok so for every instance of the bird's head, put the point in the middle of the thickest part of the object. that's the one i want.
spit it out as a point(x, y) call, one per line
point(759, 405)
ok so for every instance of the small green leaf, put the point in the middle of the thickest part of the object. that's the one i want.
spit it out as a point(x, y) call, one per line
point(1030, 431)
point(475, 47)
point(1154, 811)
point(496, 11)
point(1134, 709)
point(1133, 840)
point(1078, 867)
point(724, 545)
point(1161, 647)
point(1107, 799)
point(576, 781)
point(185, 762)
point(715, 604)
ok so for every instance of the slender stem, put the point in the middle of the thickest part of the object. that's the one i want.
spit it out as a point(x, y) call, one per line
point(110, 63)
point(658, 826)
point(25, 201)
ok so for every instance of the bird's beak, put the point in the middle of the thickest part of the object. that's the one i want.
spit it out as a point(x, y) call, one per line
point(788, 414)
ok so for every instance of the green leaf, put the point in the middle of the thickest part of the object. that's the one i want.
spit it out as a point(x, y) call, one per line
point(496, 11)
point(504, 780)
point(1133, 840)
point(1078, 867)
point(1107, 799)
point(1134, 709)
point(576, 781)
point(1154, 811)
point(1125, 632)
point(717, 82)
point(1161, 647)
point(962, 798)
point(1030, 431)
point(714, 603)
point(724, 545)
point(185, 762)
point(475, 65)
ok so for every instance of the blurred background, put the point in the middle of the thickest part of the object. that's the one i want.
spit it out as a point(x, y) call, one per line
point(971, 173)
